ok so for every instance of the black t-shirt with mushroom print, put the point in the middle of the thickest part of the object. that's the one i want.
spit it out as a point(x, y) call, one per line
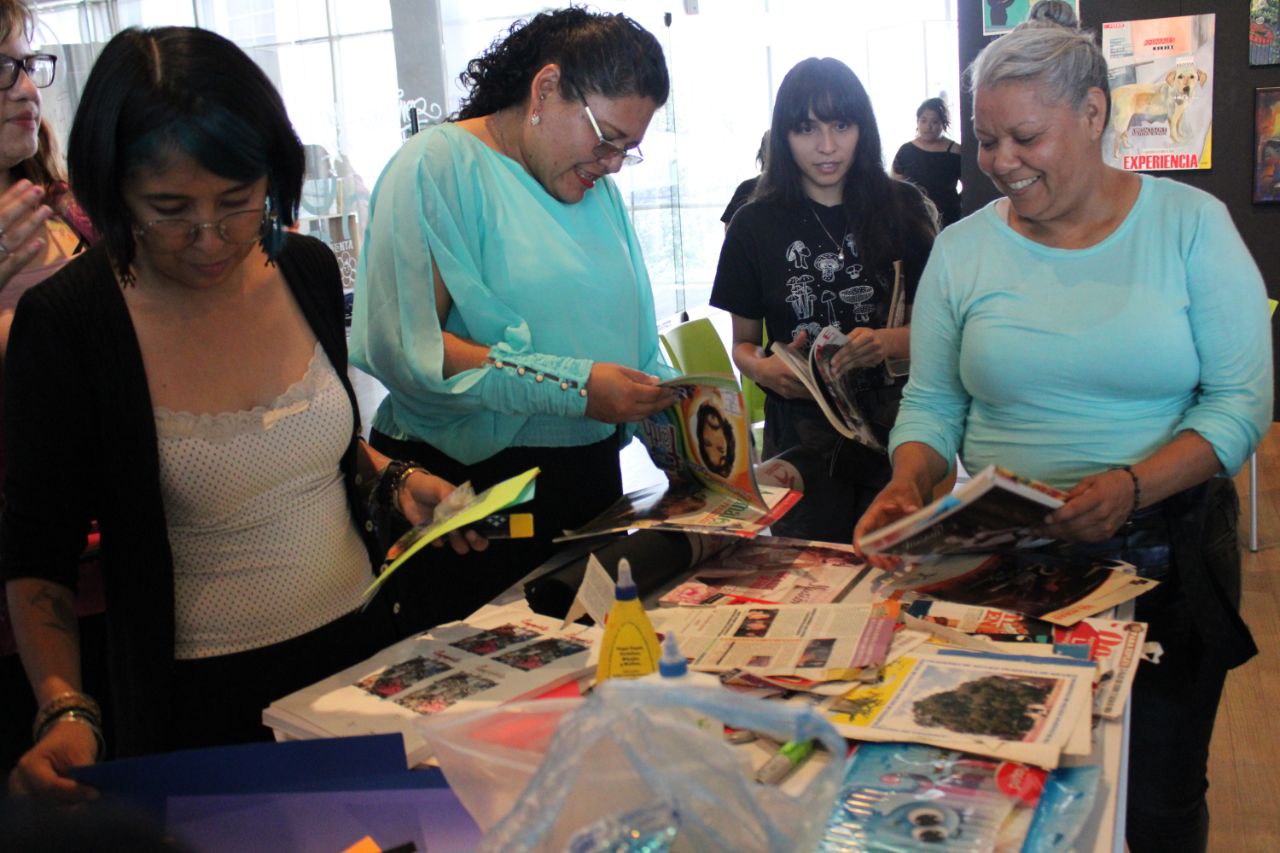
point(780, 264)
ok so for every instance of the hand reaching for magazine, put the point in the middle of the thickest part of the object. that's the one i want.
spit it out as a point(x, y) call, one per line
point(421, 494)
point(901, 497)
point(1095, 508)
point(864, 349)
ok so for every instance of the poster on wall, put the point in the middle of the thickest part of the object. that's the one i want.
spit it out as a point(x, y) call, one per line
point(1266, 146)
point(341, 234)
point(1000, 16)
point(1264, 32)
point(1161, 75)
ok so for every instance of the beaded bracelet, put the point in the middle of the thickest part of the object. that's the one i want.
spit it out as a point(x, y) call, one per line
point(1137, 486)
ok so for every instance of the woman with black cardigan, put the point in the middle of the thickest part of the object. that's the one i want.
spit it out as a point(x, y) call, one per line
point(184, 383)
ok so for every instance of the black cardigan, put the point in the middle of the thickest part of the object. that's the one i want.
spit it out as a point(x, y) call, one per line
point(81, 438)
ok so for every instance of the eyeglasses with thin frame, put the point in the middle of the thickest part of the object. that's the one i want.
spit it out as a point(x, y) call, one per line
point(606, 150)
point(173, 235)
point(40, 68)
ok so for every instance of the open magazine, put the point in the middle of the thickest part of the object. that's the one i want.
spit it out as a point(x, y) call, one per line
point(837, 395)
point(995, 510)
point(471, 509)
point(1051, 585)
point(703, 445)
point(771, 570)
point(507, 654)
point(828, 642)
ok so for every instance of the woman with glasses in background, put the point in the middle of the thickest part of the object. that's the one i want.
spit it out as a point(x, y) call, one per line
point(41, 228)
point(184, 383)
point(501, 295)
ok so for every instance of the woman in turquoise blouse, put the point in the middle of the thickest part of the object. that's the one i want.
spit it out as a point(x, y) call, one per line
point(502, 298)
point(1107, 333)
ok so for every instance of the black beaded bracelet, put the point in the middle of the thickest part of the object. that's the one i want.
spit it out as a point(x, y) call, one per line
point(1137, 486)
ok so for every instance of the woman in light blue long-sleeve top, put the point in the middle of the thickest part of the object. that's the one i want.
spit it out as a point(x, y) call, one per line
point(502, 297)
point(1107, 333)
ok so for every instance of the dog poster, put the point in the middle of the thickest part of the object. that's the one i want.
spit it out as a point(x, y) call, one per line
point(1161, 77)
point(1266, 148)
point(1000, 16)
point(1264, 32)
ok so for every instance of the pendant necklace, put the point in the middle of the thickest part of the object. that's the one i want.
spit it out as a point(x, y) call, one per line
point(839, 244)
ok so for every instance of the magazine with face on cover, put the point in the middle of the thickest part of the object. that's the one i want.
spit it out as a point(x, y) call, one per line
point(702, 444)
point(995, 510)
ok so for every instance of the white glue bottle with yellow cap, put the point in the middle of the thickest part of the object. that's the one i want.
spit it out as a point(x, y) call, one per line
point(630, 646)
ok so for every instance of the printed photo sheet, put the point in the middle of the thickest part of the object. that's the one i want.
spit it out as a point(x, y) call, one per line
point(506, 655)
point(830, 642)
point(1020, 708)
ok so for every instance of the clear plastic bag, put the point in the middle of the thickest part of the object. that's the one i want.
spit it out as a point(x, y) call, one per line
point(632, 745)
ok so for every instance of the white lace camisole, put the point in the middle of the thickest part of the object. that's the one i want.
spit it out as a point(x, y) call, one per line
point(264, 548)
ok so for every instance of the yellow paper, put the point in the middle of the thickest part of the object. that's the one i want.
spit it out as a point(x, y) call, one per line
point(497, 497)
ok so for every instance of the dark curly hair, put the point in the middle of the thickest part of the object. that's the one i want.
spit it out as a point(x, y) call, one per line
point(610, 55)
point(881, 211)
point(939, 106)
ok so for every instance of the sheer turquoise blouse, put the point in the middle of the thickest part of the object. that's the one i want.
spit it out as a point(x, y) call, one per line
point(549, 286)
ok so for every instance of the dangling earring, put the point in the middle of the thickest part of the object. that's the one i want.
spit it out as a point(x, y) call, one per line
point(535, 119)
point(272, 232)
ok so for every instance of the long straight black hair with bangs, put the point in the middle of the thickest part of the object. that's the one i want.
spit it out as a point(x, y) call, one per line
point(881, 211)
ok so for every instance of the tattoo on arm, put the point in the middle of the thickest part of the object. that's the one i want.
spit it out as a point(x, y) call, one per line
point(56, 606)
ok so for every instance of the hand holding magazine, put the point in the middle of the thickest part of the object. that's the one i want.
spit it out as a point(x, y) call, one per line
point(837, 392)
point(703, 445)
point(995, 510)
point(478, 510)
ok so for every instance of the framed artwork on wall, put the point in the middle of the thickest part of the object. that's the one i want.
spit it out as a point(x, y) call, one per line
point(1000, 16)
point(1264, 32)
point(1161, 75)
point(1266, 146)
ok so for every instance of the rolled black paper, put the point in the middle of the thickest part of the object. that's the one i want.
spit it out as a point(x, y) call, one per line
point(655, 556)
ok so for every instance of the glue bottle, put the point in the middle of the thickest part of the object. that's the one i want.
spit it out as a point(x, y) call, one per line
point(630, 646)
point(673, 670)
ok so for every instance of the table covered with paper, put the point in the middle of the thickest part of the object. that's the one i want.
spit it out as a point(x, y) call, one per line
point(958, 697)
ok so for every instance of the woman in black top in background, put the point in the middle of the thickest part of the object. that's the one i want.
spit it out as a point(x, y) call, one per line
point(816, 247)
point(932, 161)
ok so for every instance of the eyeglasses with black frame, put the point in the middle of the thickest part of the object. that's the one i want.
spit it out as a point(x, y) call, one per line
point(606, 150)
point(40, 67)
point(173, 235)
